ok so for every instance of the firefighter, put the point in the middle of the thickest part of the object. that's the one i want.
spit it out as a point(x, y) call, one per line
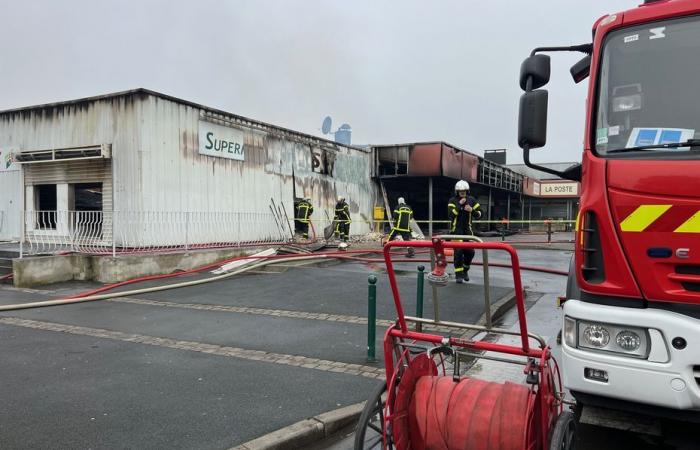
point(461, 209)
point(402, 227)
point(342, 219)
point(302, 216)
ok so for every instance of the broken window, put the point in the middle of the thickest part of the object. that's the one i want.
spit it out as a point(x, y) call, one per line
point(88, 196)
point(88, 209)
point(45, 202)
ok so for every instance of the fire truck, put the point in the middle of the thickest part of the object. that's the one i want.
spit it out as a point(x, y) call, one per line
point(631, 319)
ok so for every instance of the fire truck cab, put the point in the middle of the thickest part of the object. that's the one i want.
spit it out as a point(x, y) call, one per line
point(631, 325)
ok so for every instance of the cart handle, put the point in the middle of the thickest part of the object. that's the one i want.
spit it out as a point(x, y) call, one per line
point(439, 246)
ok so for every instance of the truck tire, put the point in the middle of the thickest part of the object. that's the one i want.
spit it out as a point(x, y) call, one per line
point(564, 432)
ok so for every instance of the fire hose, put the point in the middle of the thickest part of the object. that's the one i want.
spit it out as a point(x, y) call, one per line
point(95, 294)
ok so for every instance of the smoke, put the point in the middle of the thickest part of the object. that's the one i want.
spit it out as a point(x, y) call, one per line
point(397, 71)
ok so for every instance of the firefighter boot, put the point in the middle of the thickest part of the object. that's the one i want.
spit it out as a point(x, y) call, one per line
point(459, 277)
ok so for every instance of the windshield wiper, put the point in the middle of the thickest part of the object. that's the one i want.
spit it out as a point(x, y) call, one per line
point(688, 143)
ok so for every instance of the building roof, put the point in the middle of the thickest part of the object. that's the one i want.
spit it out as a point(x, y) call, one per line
point(408, 144)
point(539, 175)
point(148, 92)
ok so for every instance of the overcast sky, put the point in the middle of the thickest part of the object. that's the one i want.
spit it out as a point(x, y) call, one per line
point(396, 71)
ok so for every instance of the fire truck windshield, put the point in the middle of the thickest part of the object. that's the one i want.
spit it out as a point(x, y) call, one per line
point(648, 90)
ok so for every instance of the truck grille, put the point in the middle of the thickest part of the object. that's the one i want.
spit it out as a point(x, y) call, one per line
point(592, 269)
point(691, 280)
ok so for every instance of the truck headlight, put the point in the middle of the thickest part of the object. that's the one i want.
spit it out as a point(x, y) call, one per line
point(607, 337)
point(628, 340)
point(570, 331)
point(596, 336)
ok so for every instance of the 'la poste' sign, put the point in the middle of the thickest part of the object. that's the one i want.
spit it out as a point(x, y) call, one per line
point(223, 142)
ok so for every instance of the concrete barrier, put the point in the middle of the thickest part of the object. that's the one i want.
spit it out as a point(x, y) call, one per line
point(41, 270)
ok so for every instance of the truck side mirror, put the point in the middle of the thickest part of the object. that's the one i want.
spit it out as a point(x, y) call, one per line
point(581, 69)
point(536, 67)
point(532, 120)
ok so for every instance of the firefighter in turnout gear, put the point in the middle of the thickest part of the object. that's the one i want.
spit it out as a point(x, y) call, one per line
point(403, 214)
point(342, 219)
point(302, 216)
point(461, 209)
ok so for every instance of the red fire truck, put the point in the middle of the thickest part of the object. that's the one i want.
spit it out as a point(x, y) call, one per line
point(631, 326)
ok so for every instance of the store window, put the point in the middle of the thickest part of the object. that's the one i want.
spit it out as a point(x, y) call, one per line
point(45, 202)
point(87, 196)
point(87, 203)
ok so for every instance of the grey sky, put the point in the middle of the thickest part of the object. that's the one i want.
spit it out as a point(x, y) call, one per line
point(397, 71)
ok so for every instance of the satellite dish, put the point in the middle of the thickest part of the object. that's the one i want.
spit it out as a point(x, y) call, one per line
point(326, 127)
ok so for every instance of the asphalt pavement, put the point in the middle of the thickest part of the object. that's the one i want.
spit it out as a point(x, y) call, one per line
point(207, 367)
point(544, 319)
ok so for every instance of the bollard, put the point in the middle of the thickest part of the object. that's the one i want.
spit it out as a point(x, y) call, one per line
point(371, 317)
point(419, 291)
point(419, 295)
point(549, 232)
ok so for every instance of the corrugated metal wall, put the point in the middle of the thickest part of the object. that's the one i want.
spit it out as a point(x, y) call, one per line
point(278, 164)
point(10, 205)
point(86, 123)
point(157, 165)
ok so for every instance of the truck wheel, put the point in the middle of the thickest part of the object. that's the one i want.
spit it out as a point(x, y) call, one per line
point(564, 432)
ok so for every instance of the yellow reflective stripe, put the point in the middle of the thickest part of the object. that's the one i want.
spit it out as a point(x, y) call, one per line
point(579, 228)
point(691, 225)
point(459, 269)
point(476, 205)
point(643, 216)
point(578, 221)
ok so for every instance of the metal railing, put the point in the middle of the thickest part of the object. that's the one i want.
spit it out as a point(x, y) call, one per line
point(50, 232)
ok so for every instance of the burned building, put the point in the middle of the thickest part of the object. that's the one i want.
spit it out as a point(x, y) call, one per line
point(142, 168)
point(425, 173)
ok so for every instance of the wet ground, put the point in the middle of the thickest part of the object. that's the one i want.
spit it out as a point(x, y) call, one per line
point(209, 366)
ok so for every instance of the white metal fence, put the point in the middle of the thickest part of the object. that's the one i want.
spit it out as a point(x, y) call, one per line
point(148, 231)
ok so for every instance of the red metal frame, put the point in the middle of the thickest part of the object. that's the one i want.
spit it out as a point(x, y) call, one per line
point(546, 405)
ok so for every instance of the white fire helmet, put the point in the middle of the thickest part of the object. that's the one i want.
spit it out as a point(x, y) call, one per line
point(461, 186)
point(401, 201)
point(340, 198)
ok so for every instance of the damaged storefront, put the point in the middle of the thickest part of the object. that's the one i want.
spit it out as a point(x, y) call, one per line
point(139, 169)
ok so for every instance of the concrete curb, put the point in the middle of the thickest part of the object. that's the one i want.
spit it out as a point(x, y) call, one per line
point(306, 432)
point(309, 431)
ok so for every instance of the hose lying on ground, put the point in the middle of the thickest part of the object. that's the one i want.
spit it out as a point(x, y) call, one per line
point(68, 301)
point(94, 295)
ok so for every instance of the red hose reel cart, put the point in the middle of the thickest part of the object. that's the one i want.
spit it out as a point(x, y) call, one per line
point(427, 403)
